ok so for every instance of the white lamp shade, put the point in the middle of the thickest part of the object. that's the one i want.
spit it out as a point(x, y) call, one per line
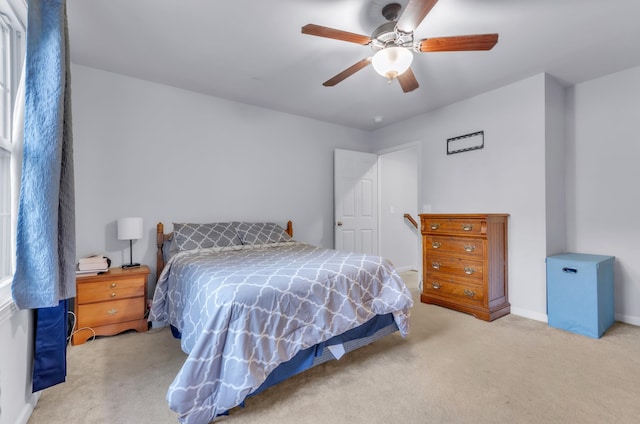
point(130, 228)
point(392, 61)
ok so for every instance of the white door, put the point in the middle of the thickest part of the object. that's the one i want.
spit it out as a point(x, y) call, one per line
point(356, 201)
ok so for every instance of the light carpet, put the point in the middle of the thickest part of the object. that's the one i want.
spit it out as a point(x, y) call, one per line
point(452, 368)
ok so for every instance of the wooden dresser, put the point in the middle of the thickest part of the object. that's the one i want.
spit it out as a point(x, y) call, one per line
point(465, 263)
point(110, 303)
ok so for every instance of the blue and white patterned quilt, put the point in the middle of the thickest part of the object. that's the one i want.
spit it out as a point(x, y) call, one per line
point(243, 310)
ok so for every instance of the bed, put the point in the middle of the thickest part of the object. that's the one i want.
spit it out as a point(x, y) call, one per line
point(253, 307)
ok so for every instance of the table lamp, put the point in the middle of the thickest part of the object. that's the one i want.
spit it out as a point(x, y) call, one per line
point(130, 229)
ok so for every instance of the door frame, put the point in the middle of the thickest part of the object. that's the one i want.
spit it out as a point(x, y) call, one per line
point(421, 208)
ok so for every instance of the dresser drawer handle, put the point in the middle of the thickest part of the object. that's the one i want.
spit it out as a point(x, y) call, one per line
point(434, 226)
point(113, 294)
point(113, 285)
point(468, 270)
point(112, 311)
point(467, 227)
point(469, 293)
point(435, 285)
point(469, 248)
point(435, 265)
point(436, 244)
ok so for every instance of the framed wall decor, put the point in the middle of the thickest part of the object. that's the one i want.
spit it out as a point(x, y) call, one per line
point(465, 143)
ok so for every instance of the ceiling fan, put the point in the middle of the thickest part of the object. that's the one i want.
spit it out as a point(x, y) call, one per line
point(393, 43)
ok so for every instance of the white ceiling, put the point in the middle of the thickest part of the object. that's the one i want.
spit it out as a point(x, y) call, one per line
point(253, 51)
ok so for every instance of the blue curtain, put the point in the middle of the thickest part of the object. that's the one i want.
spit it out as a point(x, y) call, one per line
point(45, 244)
point(50, 359)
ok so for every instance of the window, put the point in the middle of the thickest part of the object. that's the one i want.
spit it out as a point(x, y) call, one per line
point(5, 214)
point(12, 14)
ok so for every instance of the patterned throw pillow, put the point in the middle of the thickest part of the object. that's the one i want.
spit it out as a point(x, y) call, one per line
point(261, 233)
point(190, 236)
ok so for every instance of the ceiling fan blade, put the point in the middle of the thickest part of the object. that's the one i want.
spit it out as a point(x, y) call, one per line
point(407, 81)
point(458, 43)
point(414, 13)
point(347, 72)
point(336, 34)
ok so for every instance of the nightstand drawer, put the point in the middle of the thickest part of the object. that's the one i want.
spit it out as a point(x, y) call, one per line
point(116, 311)
point(121, 288)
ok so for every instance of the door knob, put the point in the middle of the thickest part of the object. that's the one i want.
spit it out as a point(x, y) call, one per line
point(339, 223)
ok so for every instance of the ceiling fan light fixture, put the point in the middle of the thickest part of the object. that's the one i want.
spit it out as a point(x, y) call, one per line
point(391, 62)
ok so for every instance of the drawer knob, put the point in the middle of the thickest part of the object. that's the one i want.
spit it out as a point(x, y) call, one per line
point(113, 294)
point(468, 270)
point(469, 248)
point(469, 293)
point(434, 226)
point(467, 227)
point(435, 265)
point(436, 244)
point(435, 285)
point(113, 285)
point(112, 311)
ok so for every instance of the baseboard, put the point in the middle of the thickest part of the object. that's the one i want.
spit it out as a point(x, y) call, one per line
point(406, 268)
point(158, 324)
point(27, 409)
point(628, 319)
point(525, 313)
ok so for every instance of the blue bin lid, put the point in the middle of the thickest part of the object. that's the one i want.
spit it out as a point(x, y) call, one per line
point(581, 257)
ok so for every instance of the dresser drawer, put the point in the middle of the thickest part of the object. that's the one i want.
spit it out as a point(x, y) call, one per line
point(113, 312)
point(456, 246)
point(456, 290)
point(121, 288)
point(457, 226)
point(458, 267)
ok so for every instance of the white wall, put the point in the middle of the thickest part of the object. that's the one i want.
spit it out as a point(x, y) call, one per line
point(16, 357)
point(506, 176)
point(555, 167)
point(399, 240)
point(603, 200)
point(170, 155)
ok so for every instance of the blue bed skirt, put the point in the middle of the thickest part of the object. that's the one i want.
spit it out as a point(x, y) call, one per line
point(306, 359)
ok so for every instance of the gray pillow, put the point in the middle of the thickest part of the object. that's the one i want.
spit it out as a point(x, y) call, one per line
point(190, 236)
point(169, 248)
point(261, 233)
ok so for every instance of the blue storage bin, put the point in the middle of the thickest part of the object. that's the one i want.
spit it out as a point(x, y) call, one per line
point(580, 293)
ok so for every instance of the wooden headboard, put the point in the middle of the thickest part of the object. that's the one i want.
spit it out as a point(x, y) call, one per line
point(161, 237)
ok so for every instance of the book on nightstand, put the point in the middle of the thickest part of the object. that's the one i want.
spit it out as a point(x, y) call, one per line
point(93, 265)
point(81, 273)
